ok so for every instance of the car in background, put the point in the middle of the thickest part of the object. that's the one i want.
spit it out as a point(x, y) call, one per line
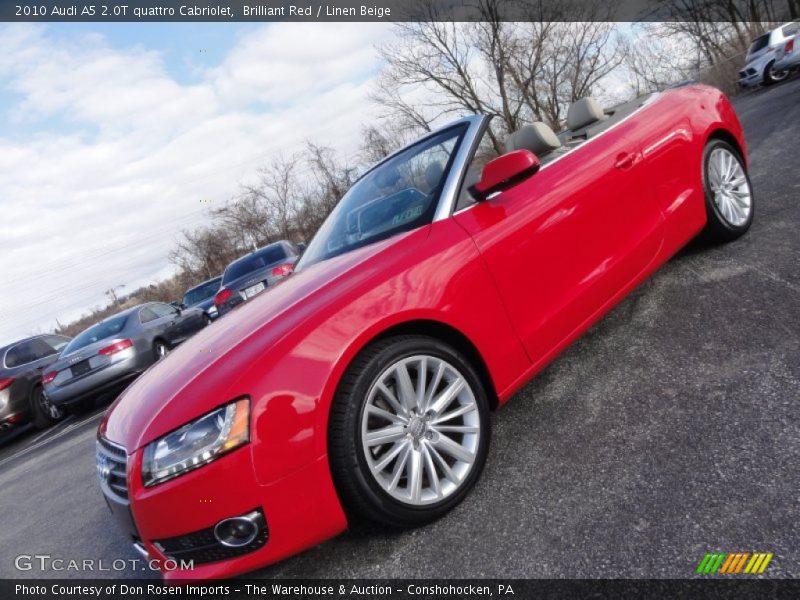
point(788, 56)
point(110, 354)
point(250, 275)
point(202, 296)
point(21, 366)
point(760, 63)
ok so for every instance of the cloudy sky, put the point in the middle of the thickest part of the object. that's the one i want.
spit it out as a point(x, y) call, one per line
point(114, 137)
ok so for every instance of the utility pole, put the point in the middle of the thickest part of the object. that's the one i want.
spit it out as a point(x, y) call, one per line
point(112, 294)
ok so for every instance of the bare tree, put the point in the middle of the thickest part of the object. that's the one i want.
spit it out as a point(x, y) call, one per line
point(516, 72)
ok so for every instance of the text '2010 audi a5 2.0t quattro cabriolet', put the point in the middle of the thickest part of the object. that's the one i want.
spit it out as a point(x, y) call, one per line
point(360, 387)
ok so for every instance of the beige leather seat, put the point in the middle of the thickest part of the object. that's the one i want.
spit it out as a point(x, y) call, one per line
point(584, 113)
point(536, 137)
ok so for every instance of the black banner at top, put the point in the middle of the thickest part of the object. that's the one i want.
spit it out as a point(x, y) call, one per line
point(394, 10)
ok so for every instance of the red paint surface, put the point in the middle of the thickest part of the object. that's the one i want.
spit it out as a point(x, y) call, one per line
point(520, 276)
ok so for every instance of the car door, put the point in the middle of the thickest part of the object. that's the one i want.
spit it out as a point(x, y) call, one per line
point(190, 321)
point(168, 321)
point(563, 242)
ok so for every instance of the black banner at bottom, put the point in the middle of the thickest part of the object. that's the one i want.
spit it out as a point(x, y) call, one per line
point(401, 589)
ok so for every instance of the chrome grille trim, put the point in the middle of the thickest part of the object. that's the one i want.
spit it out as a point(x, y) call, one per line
point(112, 461)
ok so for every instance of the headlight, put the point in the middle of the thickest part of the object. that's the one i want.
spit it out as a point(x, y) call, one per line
point(197, 443)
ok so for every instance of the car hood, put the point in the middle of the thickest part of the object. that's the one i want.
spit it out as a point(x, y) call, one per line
point(196, 378)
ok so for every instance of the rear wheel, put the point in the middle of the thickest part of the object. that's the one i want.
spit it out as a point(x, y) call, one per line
point(728, 192)
point(772, 75)
point(160, 349)
point(44, 413)
point(409, 431)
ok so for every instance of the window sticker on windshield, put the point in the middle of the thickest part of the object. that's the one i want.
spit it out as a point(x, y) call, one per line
point(409, 214)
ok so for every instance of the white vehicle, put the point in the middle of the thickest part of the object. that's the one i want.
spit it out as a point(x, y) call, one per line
point(760, 64)
point(788, 56)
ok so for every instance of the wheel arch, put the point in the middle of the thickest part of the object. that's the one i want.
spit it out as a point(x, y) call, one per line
point(447, 334)
point(726, 136)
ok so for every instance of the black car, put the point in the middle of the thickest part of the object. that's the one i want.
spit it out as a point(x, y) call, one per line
point(202, 296)
point(21, 366)
point(250, 275)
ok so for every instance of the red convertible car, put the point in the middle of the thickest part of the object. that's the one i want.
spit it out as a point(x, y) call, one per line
point(360, 387)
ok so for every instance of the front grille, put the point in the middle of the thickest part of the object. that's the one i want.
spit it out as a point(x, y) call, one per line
point(202, 547)
point(111, 470)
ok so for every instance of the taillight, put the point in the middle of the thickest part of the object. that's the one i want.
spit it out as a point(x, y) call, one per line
point(49, 376)
point(115, 347)
point(222, 296)
point(282, 270)
point(4, 383)
point(789, 47)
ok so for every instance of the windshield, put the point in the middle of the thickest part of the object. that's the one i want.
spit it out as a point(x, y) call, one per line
point(399, 195)
point(95, 333)
point(253, 262)
point(201, 292)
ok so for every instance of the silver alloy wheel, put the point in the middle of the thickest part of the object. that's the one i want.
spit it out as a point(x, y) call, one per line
point(729, 186)
point(420, 430)
point(777, 75)
point(161, 350)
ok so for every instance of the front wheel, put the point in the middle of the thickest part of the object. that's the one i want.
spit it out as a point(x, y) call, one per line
point(409, 431)
point(728, 192)
point(44, 413)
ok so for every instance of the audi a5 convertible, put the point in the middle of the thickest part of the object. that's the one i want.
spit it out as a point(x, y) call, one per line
point(359, 389)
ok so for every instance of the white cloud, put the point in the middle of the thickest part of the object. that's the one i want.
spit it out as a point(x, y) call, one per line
point(97, 199)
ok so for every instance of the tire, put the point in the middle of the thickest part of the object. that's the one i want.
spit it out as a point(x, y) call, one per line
point(729, 207)
point(206, 320)
point(43, 413)
point(416, 438)
point(160, 349)
point(771, 76)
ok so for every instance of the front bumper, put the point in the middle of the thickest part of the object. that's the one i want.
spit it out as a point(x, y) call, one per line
point(300, 511)
point(751, 80)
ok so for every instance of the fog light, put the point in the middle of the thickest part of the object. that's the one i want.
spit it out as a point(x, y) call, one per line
point(238, 531)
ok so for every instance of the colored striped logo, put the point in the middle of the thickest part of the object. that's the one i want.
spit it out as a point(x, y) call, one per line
point(734, 562)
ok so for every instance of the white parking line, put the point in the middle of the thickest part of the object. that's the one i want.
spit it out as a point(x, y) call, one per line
point(52, 438)
point(52, 430)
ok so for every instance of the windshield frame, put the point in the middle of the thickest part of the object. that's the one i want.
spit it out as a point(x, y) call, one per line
point(444, 204)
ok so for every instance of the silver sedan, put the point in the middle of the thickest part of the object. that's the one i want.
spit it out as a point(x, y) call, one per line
point(110, 354)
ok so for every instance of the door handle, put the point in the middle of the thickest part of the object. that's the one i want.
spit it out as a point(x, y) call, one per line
point(624, 160)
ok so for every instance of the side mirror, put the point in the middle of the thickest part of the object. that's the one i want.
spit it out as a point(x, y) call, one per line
point(504, 172)
point(301, 248)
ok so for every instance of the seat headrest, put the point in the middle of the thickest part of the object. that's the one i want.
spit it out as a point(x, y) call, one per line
point(584, 112)
point(536, 137)
point(433, 174)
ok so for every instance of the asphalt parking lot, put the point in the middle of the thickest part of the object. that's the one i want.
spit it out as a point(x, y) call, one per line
point(670, 430)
